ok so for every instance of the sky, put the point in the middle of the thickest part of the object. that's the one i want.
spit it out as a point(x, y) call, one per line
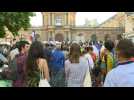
point(80, 17)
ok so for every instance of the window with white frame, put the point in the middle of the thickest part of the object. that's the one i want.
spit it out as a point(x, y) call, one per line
point(58, 20)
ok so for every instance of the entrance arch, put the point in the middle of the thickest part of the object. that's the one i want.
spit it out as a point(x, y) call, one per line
point(59, 37)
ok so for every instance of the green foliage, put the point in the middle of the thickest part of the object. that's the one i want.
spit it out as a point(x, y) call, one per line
point(14, 21)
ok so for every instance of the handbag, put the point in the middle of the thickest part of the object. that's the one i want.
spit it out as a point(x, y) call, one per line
point(43, 82)
point(87, 80)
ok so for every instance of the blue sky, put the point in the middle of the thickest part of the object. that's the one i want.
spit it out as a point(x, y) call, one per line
point(80, 17)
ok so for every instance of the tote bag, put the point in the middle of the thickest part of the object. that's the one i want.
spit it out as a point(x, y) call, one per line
point(43, 82)
point(87, 80)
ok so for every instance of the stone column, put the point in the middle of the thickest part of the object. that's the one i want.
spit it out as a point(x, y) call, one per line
point(48, 35)
point(66, 19)
point(45, 36)
point(69, 36)
point(53, 35)
point(48, 19)
point(53, 19)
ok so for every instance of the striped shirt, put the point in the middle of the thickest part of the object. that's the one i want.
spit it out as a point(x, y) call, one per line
point(75, 72)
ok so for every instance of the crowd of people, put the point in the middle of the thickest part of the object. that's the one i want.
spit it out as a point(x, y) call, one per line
point(71, 64)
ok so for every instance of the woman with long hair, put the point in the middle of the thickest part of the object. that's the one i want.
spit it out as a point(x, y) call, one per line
point(36, 64)
point(75, 67)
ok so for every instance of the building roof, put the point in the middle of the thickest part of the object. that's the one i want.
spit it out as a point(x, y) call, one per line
point(111, 18)
point(90, 28)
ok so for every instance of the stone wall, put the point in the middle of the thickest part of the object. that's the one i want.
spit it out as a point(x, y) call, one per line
point(117, 20)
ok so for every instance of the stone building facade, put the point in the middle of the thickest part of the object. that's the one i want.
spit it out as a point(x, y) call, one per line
point(121, 19)
point(61, 26)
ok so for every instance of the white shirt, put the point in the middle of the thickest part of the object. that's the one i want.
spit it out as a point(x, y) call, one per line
point(121, 76)
point(75, 72)
point(13, 53)
point(90, 60)
point(95, 50)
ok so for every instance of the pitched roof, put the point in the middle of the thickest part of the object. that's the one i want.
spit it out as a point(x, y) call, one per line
point(111, 18)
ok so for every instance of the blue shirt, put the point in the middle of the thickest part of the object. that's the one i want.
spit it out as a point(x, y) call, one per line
point(121, 76)
point(57, 60)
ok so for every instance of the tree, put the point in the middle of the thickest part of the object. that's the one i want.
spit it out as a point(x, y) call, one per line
point(14, 21)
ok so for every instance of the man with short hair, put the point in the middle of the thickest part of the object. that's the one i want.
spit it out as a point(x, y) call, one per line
point(57, 61)
point(21, 64)
point(13, 53)
point(123, 74)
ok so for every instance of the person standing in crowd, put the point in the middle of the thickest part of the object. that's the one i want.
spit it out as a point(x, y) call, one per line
point(47, 52)
point(13, 44)
point(14, 51)
point(109, 45)
point(96, 69)
point(88, 57)
point(3, 58)
point(35, 65)
point(107, 62)
point(123, 74)
point(95, 49)
point(57, 61)
point(65, 50)
point(102, 52)
point(11, 70)
point(93, 55)
point(33, 36)
point(20, 68)
point(75, 67)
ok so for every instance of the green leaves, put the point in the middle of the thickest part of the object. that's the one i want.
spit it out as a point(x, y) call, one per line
point(14, 21)
point(2, 33)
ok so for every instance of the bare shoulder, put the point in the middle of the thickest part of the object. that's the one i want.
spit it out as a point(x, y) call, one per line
point(41, 60)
